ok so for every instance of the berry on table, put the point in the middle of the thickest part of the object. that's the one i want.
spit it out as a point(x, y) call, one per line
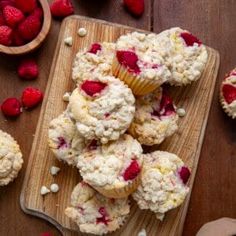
point(31, 97)
point(28, 69)
point(11, 107)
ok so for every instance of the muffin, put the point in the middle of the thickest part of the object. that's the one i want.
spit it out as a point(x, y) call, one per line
point(103, 108)
point(114, 169)
point(183, 53)
point(95, 59)
point(228, 94)
point(94, 213)
point(138, 65)
point(163, 182)
point(65, 141)
point(10, 158)
point(155, 118)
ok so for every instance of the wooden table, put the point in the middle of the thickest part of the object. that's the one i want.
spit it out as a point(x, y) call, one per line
point(214, 22)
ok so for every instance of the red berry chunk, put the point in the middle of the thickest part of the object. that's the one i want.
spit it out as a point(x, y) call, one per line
point(26, 6)
point(61, 8)
point(92, 87)
point(229, 93)
point(5, 35)
point(95, 47)
point(135, 7)
point(11, 107)
point(2, 20)
point(62, 143)
point(17, 40)
point(28, 69)
point(190, 39)
point(129, 60)
point(184, 174)
point(104, 216)
point(31, 97)
point(12, 15)
point(132, 171)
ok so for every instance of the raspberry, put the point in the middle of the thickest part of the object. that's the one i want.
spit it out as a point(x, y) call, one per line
point(61, 8)
point(26, 6)
point(95, 47)
point(4, 3)
point(103, 219)
point(132, 171)
point(184, 174)
point(2, 20)
point(92, 87)
point(38, 12)
point(17, 39)
point(30, 27)
point(12, 15)
point(190, 39)
point(62, 143)
point(28, 69)
point(5, 35)
point(166, 105)
point(135, 7)
point(229, 93)
point(11, 107)
point(128, 59)
point(31, 97)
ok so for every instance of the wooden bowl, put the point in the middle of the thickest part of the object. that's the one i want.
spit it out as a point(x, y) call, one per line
point(36, 42)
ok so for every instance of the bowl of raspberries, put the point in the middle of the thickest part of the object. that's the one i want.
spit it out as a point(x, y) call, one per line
point(24, 24)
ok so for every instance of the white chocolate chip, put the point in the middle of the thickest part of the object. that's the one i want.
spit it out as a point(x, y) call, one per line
point(181, 112)
point(54, 170)
point(66, 97)
point(54, 188)
point(44, 190)
point(68, 41)
point(142, 233)
point(82, 32)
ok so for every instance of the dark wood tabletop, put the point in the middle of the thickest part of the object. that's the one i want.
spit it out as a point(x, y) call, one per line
point(213, 21)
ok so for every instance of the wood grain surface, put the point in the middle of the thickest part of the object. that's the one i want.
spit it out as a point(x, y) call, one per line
point(214, 189)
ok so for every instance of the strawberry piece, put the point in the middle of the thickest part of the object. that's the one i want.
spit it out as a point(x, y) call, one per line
point(104, 216)
point(95, 47)
point(13, 16)
point(229, 93)
point(5, 35)
point(4, 3)
point(132, 171)
point(129, 60)
point(61, 8)
point(190, 39)
point(31, 97)
point(26, 6)
point(30, 27)
point(17, 39)
point(11, 107)
point(184, 174)
point(92, 88)
point(28, 69)
point(135, 7)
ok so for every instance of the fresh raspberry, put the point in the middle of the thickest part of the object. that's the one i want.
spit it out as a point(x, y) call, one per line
point(30, 27)
point(104, 216)
point(26, 6)
point(31, 97)
point(132, 171)
point(28, 69)
point(135, 7)
point(62, 143)
point(11, 107)
point(190, 39)
point(61, 8)
point(38, 12)
point(5, 35)
point(92, 87)
point(17, 40)
point(128, 59)
point(229, 93)
point(95, 47)
point(184, 174)
point(12, 15)
point(4, 3)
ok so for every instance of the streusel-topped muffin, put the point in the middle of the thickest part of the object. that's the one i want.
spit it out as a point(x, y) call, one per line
point(163, 182)
point(138, 65)
point(155, 118)
point(228, 94)
point(184, 55)
point(96, 59)
point(10, 158)
point(103, 108)
point(114, 169)
point(94, 213)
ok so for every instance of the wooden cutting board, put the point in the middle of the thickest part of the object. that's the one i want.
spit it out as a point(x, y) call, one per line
point(186, 143)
